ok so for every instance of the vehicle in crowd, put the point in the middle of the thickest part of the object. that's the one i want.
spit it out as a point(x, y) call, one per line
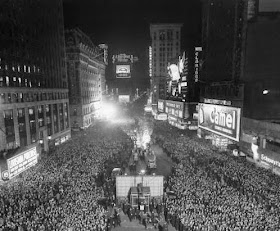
point(150, 159)
point(116, 172)
point(139, 189)
point(161, 116)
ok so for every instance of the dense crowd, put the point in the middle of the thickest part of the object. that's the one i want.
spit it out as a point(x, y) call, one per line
point(213, 191)
point(216, 191)
point(63, 190)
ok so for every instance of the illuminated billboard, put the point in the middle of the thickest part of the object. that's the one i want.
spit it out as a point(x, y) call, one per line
point(124, 98)
point(22, 161)
point(222, 120)
point(173, 71)
point(123, 71)
point(174, 108)
point(161, 104)
point(197, 59)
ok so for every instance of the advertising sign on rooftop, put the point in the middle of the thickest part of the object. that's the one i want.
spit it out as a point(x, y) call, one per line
point(222, 120)
point(123, 71)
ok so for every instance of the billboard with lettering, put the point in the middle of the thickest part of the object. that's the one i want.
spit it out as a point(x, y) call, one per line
point(174, 108)
point(222, 120)
point(22, 161)
point(123, 71)
point(124, 98)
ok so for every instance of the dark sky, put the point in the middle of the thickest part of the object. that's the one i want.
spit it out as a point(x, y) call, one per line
point(124, 24)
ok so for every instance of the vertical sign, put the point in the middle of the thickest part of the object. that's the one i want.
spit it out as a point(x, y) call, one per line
point(196, 63)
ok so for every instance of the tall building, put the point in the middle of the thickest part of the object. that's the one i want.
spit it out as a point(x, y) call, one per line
point(262, 54)
point(240, 74)
point(123, 65)
point(165, 46)
point(34, 102)
point(223, 42)
point(86, 64)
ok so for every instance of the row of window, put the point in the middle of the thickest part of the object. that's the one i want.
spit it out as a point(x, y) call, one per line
point(19, 68)
point(31, 97)
point(57, 115)
point(166, 34)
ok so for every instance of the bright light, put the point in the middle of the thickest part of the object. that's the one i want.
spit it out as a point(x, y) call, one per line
point(265, 92)
point(148, 108)
point(146, 139)
point(142, 171)
point(108, 111)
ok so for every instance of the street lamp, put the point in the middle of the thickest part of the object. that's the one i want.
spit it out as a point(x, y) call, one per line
point(265, 92)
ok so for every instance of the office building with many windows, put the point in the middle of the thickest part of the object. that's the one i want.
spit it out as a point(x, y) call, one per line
point(86, 65)
point(165, 46)
point(34, 104)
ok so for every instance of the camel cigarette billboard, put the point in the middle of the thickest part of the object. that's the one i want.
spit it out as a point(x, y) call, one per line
point(219, 119)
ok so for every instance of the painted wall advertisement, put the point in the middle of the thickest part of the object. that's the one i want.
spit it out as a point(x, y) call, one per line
point(222, 120)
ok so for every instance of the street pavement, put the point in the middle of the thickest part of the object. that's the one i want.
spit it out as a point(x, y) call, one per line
point(134, 225)
point(164, 162)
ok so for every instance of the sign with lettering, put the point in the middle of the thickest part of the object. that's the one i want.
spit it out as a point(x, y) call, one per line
point(196, 63)
point(123, 71)
point(222, 120)
point(161, 105)
point(174, 108)
point(269, 160)
point(22, 161)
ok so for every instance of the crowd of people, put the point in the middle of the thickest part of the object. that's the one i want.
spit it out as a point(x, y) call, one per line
point(213, 191)
point(62, 192)
point(216, 191)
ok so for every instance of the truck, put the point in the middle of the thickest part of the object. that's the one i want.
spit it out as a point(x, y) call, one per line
point(140, 189)
point(150, 159)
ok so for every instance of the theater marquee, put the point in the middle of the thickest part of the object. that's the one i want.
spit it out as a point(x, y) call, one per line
point(222, 120)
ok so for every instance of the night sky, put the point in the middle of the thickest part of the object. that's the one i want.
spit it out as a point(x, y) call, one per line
point(124, 24)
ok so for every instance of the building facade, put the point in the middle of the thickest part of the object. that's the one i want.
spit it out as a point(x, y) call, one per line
point(86, 66)
point(34, 105)
point(261, 70)
point(123, 85)
point(240, 72)
point(165, 46)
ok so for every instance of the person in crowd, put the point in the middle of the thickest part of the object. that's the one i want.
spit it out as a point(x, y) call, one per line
point(215, 191)
point(62, 192)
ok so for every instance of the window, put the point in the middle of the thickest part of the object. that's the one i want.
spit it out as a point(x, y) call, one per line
point(8, 114)
point(7, 81)
point(21, 112)
point(162, 35)
point(2, 98)
point(9, 97)
point(31, 111)
point(47, 107)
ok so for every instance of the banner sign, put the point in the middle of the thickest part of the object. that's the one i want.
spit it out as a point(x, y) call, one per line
point(222, 120)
